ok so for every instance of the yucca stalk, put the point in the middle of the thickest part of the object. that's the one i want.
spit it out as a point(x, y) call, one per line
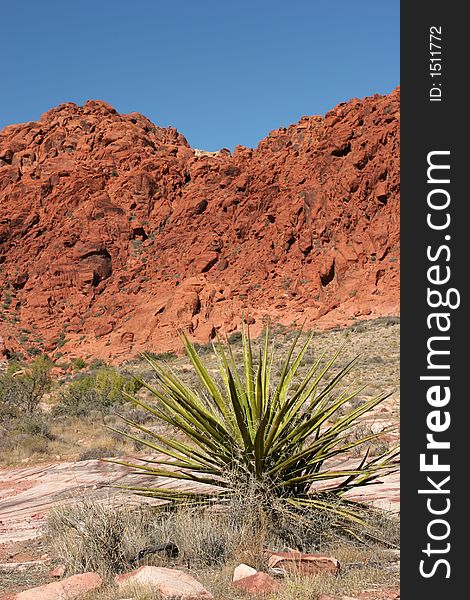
point(250, 428)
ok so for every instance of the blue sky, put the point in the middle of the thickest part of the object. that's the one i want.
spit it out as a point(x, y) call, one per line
point(224, 73)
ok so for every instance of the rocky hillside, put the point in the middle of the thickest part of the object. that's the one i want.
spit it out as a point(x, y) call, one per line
point(114, 232)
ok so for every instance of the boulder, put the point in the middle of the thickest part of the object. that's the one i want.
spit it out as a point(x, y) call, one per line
point(169, 583)
point(259, 584)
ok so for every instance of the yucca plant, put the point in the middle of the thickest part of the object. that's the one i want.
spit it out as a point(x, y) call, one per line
point(247, 429)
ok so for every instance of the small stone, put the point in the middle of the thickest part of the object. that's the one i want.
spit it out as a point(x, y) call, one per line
point(223, 264)
point(381, 191)
point(57, 572)
point(243, 571)
point(295, 561)
point(259, 583)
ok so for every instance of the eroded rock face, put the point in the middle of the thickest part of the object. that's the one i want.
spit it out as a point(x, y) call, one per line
point(114, 232)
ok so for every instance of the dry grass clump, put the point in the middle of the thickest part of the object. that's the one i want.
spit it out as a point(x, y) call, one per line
point(94, 535)
point(90, 535)
point(102, 536)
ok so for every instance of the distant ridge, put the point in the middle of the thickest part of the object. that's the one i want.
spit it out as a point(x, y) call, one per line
point(114, 232)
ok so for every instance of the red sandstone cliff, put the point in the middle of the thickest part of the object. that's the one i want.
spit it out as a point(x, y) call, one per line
point(113, 232)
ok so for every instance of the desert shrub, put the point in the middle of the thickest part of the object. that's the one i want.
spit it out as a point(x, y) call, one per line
point(33, 351)
point(94, 453)
point(79, 398)
point(103, 391)
point(6, 441)
point(23, 388)
point(246, 431)
point(97, 535)
point(235, 338)
point(97, 363)
point(203, 349)
point(134, 414)
point(93, 534)
point(7, 300)
point(24, 429)
point(164, 356)
point(31, 444)
point(33, 425)
point(78, 364)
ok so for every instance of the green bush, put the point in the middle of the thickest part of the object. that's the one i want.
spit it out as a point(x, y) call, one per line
point(164, 356)
point(22, 389)
point(78, 364)
point(35, 425)
point(101, 391)
point(7, 300)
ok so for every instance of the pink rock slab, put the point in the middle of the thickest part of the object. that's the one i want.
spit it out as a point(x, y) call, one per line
point(67, 589)
point(259, 583)
point(28, 493)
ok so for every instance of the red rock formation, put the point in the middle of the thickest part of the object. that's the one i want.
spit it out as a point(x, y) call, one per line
point(113, 232)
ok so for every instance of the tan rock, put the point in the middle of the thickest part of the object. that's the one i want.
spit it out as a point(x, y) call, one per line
point(169, 583)
point(243, 571)
point(295, 561)
point(58, 571)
